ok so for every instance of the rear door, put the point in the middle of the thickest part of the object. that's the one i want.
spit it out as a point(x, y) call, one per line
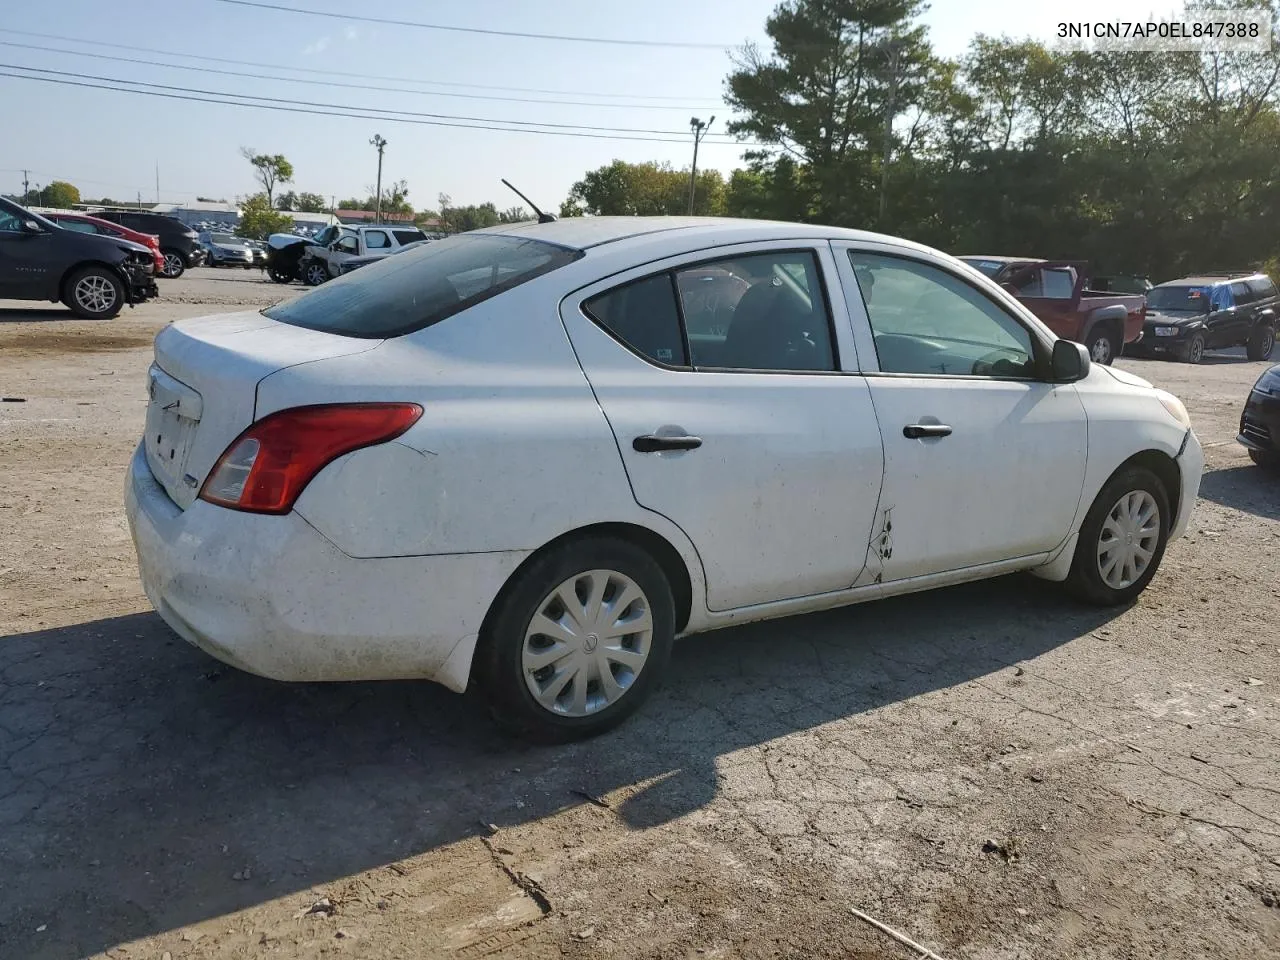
point(984, 461)
point(740, 416)
point(1231, 327)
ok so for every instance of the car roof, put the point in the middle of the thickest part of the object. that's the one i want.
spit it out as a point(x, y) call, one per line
point(977, 256)
point(1212, 280)
point(583, 233)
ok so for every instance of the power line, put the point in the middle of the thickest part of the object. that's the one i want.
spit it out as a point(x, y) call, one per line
point(279, 107)
point(332, 83)
point(341, 106)
point(685, 44)
point(341, 73)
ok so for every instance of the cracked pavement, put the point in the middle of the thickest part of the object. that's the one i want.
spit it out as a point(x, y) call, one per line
point(990, 769)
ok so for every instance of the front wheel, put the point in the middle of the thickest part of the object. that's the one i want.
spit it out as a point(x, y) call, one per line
point(1261, 342)
point(1103, 344)
point(279, 274)
point(1194, 350)
point(94, 293)
point(174, 265)
point(315, 273)
point(1122, 539)
point(1265, 459)
point(577, 641)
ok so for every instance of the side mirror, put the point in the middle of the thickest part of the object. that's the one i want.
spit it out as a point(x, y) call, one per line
point(30, 226)
point(1070, 361)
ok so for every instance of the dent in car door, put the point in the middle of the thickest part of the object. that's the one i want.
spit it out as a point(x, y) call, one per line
point(982, 463)
point(774, 476)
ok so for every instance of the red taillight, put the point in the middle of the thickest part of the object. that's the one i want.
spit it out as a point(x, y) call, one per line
point(270, 464)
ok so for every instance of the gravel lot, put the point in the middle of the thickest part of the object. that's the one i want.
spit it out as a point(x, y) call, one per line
point(989, 769)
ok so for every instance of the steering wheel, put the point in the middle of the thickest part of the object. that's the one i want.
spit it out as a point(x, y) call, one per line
point(999, 363)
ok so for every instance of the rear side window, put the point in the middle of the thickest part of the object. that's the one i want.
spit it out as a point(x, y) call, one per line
point(422, 286)
point(1241, 293)
point(79, 226)
point(1263, 287)
point(376, 240)
point(407, 236)
point(644, 316)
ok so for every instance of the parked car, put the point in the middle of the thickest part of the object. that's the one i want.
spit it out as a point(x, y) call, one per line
point(178, 242)
point(86, 224)
point(355, 263)
point(502, 459)
point(95, 276)
point(1058, 292)
point(259, 251)
point(226, 250)
point(284, 255)
point(1260, 421)
point(1189, 316)
point(337, 244)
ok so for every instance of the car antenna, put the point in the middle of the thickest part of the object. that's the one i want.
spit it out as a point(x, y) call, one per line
point(542, 217)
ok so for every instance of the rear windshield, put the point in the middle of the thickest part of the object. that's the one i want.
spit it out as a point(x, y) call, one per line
point(397, 295)
point(1194, 299)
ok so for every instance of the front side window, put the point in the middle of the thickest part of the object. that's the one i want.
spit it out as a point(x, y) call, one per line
point(763, 311)
point(349, 245)
point(422, 286)
point(927, 322)
point(9, 222)
point(376, 240)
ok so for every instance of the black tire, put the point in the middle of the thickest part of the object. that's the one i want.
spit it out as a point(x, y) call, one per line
point(94, 293)
point(314, 273)
point(280, 275)
point(1265, 459)
point(1262, 342)
point(1193, 352)
point(175, 265)
point(1103, 345)
point(499, 667)
point(1086, 579)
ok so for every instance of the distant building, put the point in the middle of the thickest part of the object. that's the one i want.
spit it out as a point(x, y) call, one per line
point(207, 216)
point(371, 216)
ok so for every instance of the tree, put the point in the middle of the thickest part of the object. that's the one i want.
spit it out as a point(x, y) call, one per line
point(287, 201)
point(59, 194)
point(472, 217)
point(351, 204)
point(270, 170)
point(258, 219)
point(643, 189)
point(514, 215)
point(210, 200)
point(311, 203)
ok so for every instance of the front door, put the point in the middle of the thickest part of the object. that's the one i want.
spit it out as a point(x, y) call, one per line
point(984, 461)
point(734, 415)
point(26, 264)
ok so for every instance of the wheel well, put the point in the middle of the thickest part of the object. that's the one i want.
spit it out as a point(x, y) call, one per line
point(667, 557)
point(75, 268)
point(1164, 467)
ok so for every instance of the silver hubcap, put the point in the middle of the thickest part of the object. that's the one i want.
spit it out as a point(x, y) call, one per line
point(96, 294)
point(316, 275)
point(1128, 539)
point(172, 263)
point(587, 643)
point(1268, 341)
point(1196, 350)
point(1101, 351)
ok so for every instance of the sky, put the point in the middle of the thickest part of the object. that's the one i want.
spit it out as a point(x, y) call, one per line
point(112, 143)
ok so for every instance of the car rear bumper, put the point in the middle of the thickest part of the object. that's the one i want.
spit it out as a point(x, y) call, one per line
point(270, 595)
point(1260, 422)
point(1190, 468)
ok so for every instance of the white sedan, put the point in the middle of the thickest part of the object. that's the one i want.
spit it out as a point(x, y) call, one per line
point(529, 457)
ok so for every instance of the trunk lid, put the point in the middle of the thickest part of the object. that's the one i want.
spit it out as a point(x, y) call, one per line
point(203, 388)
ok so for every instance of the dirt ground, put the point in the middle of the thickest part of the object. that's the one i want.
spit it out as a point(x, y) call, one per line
point(991, 770)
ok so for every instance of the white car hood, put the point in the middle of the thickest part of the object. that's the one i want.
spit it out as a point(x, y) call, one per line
point(1123, 376)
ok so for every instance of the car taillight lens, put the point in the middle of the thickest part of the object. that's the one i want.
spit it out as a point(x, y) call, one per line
point(268, 466)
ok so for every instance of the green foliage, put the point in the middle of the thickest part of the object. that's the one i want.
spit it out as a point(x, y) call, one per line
point(351, 204)
point(644, 190)
point(59, 194)
point(270, 170)
point(311, 203)
point(473, 217)
point(258, 219)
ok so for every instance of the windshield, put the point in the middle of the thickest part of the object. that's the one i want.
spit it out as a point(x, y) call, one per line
point(989, 267)
point(224, 238)
point(397, 295)
point(1190, 299)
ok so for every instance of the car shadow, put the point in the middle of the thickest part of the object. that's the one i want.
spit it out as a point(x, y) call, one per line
point(20, 315)
point(138, 777)
point(1248, 488)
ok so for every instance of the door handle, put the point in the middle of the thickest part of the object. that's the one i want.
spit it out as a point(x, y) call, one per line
point(921, 431)
point(654, 444)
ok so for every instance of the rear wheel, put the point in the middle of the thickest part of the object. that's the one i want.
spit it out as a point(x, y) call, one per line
point(1261, 342)
point(1265, 459)
point(174, 265)
point(94, 293)
point(577, 641)
point(1103, 344)
point(1122, 539)
point(1194, 350)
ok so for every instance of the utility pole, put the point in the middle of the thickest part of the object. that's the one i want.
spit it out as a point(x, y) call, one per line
point(26, 188)
point(157, 183)
point(699, 131)
point(889, 113)
point(380, 142)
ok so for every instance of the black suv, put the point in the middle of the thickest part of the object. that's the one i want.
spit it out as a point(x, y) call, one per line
point(1189, 316)
point(178, 242)
point(93, 275)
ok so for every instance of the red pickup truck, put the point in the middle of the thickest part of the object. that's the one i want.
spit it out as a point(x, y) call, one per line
point(1057, 292)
